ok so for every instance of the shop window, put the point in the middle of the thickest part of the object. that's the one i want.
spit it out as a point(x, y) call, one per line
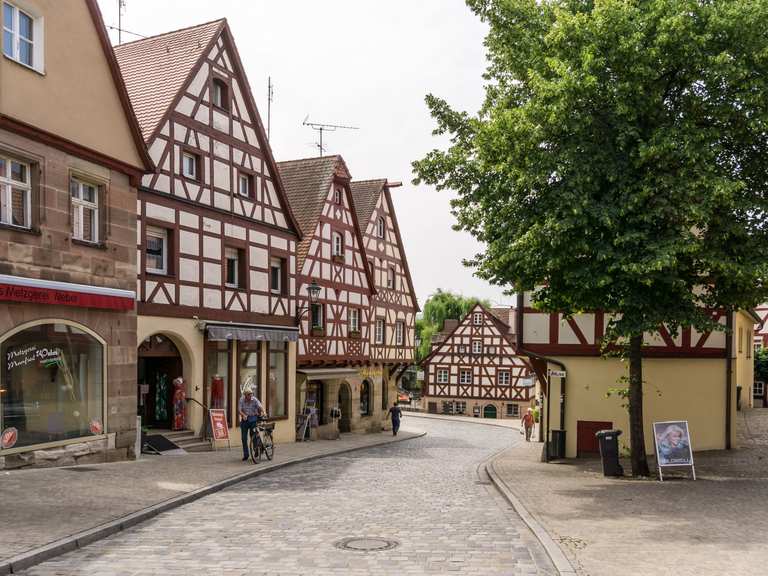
point(84, 210)
point(365, 398)
point(53, 384)
point(217, 368)
point(278, 379)
point(248, 367)
point(15, 193)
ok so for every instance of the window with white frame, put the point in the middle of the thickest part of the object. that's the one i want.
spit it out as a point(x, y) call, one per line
point(232, 267)
point(220, 94)
point(465, 376)
point(391, 278)
point(379, 331)
point(85, 210)
point(354, 320)
point(758, 389)
point(244, 186)
point(337, 196)
point(22, 36)
point(276, 275)
point(442, 375)
point(15, 193)
point(504, 378)
point(338, 244)
point(477, 318)
point(513, 410)
point(157, 250)
point(399, 333)
point(189, 165)
point(381, 227)
point(477, 346)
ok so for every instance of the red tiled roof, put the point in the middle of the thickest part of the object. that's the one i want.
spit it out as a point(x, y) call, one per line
point(307, 183)
point(366, 194)
point(155, 69)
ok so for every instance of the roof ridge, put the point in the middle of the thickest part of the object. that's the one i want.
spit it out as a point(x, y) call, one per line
point(314, 158)
point(156, 36)
point(369, 180)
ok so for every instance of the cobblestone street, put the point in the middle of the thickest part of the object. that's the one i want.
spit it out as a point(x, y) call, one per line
point(427, 494)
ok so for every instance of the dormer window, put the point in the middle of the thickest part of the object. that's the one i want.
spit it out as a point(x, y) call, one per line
point(189, 165)
point(381, 228)
point(220, 97)
point(22, 37)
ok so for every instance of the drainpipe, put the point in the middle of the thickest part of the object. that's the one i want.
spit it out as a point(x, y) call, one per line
point(728, 377)
point(521, 350)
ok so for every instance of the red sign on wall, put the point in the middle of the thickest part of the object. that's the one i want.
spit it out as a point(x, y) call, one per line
point(36, 295)
point(219, 427)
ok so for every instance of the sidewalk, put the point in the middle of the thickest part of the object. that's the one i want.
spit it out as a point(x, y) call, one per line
point(61, 508)
point(506, 422)
point(715, 525)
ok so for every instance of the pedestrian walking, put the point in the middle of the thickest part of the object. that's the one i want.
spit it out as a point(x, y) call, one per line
point(395, 413)
point(527, 421)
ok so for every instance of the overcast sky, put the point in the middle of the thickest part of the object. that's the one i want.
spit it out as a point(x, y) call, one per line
point(366, 63)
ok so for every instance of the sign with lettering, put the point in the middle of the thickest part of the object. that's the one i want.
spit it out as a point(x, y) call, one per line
point(557, 373)
point(673, 445)
point(35, 295)
point(19, 357)
point(219, 427)
point(8, 438)
point(371, 372)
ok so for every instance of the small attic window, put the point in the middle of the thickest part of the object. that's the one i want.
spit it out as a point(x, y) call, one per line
point(220, 94)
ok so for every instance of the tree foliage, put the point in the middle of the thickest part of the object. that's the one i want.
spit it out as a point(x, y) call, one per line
point(619, 161)
point(761, 365)
point(439, 307)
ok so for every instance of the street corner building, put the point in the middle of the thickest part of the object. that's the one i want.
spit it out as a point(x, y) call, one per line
point(357, 334)
point(473, 368)
point(216, 239)
point(701, 377)
point(67, 239)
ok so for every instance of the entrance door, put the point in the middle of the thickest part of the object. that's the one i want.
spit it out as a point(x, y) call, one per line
point(159, 363)
point(586, 441)
point(345, 403)
point(489, 411)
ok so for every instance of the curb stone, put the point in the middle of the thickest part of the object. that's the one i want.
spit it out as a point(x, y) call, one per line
point(29, 558)
point(555, 553)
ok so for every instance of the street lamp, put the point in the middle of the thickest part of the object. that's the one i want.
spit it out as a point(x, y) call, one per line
point(314, 295)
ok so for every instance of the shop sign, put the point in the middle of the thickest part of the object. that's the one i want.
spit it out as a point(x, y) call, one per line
point(35, 295)
point(371, 372)
point(557, 373)
point(8, 438)
point(673, 445)
point(219, 426)
point(17, 358)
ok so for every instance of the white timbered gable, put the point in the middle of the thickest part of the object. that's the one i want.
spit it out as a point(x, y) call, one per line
point(478, 361)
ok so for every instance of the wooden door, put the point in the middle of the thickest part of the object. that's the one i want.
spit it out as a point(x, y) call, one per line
point(586, 441)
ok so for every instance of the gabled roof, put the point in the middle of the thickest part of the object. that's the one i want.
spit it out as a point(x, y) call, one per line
point(502, 327)
point(366, 194)
point(156, 68)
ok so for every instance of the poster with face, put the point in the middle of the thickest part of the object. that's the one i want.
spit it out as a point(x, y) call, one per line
point(673, 443)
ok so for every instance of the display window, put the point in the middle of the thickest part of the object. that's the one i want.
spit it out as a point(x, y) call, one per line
point(278, 380)
point(52, 384)
point(217, 375)
point(248, 368)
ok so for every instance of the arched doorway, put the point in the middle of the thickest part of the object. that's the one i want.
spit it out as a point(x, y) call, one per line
point(159, 364)
point(345, 404)
point(489, 411)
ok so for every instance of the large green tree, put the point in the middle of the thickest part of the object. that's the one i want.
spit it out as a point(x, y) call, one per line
point(619, 162)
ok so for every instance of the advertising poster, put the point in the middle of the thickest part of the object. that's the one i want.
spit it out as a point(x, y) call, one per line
point(219, 427)
point(673, 444)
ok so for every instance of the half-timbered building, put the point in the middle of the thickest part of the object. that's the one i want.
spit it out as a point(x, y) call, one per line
point(692, 375)
point(760, 337)
point(334, 371)
point(394, 304)
point(71, 156)
point(216, 236)
point(473, 369)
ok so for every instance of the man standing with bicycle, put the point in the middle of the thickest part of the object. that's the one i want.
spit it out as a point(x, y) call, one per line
point(250, 409)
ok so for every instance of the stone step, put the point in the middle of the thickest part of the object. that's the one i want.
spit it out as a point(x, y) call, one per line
point(199, 446)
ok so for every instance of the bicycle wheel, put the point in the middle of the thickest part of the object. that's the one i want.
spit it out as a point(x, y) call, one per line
point(255, 447)
point(268, 446)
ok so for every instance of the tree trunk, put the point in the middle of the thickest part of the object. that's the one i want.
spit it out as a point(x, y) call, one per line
point(637, 435)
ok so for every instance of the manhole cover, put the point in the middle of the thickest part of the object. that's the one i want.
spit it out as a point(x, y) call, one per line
point(366, 544)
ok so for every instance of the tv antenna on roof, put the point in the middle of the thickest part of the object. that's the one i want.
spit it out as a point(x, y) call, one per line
point(120, 9)
point(325, 128)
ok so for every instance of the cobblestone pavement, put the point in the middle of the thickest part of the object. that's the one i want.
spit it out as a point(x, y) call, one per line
point(427, 494)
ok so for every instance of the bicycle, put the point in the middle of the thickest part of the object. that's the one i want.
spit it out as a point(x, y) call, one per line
point(261, 441)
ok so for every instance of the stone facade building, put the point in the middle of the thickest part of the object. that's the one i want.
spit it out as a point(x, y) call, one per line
point(67, 239)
